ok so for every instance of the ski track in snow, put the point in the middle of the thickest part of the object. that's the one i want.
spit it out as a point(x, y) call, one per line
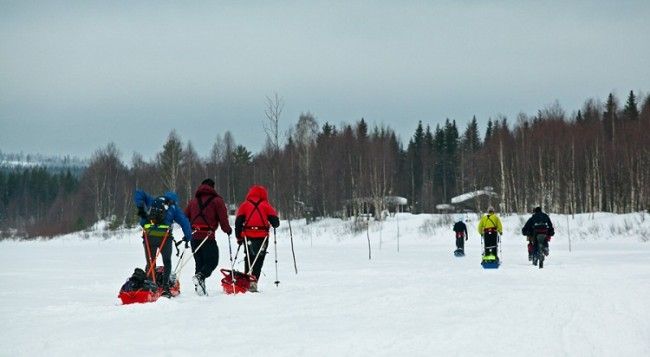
point(59, 296)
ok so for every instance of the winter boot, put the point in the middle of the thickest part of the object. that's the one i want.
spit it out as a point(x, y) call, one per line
point(253, 287)
point(199, 284)
point(166, 293)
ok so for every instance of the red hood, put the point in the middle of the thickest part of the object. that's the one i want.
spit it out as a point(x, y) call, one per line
point(204, 190)
point(257, 193)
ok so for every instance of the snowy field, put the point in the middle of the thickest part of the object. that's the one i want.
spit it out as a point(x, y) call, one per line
point(59, 297)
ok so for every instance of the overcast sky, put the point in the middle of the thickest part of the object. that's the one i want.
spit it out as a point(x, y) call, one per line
point(75, 76)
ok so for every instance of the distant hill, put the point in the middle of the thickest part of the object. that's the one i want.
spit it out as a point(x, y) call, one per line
point(13, 161)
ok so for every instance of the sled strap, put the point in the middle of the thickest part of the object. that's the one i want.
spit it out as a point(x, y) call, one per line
point(149, 261)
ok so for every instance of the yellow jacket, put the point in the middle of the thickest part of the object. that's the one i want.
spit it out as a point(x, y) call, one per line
point(490, 221)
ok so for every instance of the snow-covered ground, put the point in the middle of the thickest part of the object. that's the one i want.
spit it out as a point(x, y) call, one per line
point(58, 297)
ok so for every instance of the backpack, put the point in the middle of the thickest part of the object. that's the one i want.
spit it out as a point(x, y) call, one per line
point(541, 229)
point(158, 210)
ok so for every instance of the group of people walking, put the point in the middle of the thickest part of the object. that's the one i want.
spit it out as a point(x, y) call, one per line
point(204, 214)
point(490, 229)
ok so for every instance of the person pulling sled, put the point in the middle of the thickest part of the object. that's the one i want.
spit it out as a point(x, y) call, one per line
point(490, 228)
point(255, 216)
point(460, 230)
point(157, 215)
point(207, 212)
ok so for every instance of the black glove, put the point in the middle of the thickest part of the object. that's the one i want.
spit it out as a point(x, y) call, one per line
point(240, 240)
point(466, 239)
point(229, 232)
point(275, 221)
point(142, 213)
point(186, 239)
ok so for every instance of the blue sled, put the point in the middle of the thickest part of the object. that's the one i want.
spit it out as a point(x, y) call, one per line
point(490, 263)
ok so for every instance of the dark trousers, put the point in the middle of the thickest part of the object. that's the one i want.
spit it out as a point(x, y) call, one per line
point(207, 258)
point(490, 242)
point(532, 244)
point(165, 252)
point(460, 243)
point(256, 248)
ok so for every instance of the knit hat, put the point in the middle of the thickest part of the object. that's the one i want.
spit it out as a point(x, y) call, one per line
point(208, 182)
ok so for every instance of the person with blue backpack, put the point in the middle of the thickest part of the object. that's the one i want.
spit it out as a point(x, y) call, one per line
point(157, 215)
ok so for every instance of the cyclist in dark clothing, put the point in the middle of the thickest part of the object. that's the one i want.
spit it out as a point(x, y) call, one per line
point(539, 222)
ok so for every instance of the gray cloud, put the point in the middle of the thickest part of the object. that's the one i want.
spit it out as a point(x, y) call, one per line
point(74, 76)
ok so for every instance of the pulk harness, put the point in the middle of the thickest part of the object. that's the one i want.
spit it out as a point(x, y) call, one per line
point(255, 228)
point(256, 208)
point(202, 206)
point(155, 231)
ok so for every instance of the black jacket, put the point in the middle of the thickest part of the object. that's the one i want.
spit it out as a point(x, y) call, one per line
point(460, 227)
point(539, 217)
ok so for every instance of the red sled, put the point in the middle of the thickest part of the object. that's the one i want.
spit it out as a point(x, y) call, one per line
point(146, 291)
point(239, 285)
point(138, 296)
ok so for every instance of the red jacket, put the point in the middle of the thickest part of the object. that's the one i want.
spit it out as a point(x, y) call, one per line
point(205, 221)
point(255, 215)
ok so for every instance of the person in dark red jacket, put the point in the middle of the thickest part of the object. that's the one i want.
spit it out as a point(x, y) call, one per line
point(206, 211)
point(255, 216)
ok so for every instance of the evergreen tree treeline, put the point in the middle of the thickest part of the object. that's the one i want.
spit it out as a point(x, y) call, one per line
point(595, 160)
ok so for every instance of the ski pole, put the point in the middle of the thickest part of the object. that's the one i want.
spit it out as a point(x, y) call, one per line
point(275, 245)
point(181, 241)
point(181, 258)
point(368, 236)
point(176, 244)
point(232, 265)
point(194, 252)
point(262, 247)
point(230, 250)
point(177, 270)
point(500, 251)
point(293, 252)
point(248, 256)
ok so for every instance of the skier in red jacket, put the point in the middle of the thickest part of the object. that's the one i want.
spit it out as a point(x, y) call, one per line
point(206, 211)
point(255, 216)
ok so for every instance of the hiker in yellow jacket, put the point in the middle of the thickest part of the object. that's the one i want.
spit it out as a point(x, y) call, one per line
point(490, 228)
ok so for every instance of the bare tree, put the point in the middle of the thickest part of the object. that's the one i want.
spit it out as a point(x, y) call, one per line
point(304, 138)
point(274, 107)
point(190, 164)
point(228, 155)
